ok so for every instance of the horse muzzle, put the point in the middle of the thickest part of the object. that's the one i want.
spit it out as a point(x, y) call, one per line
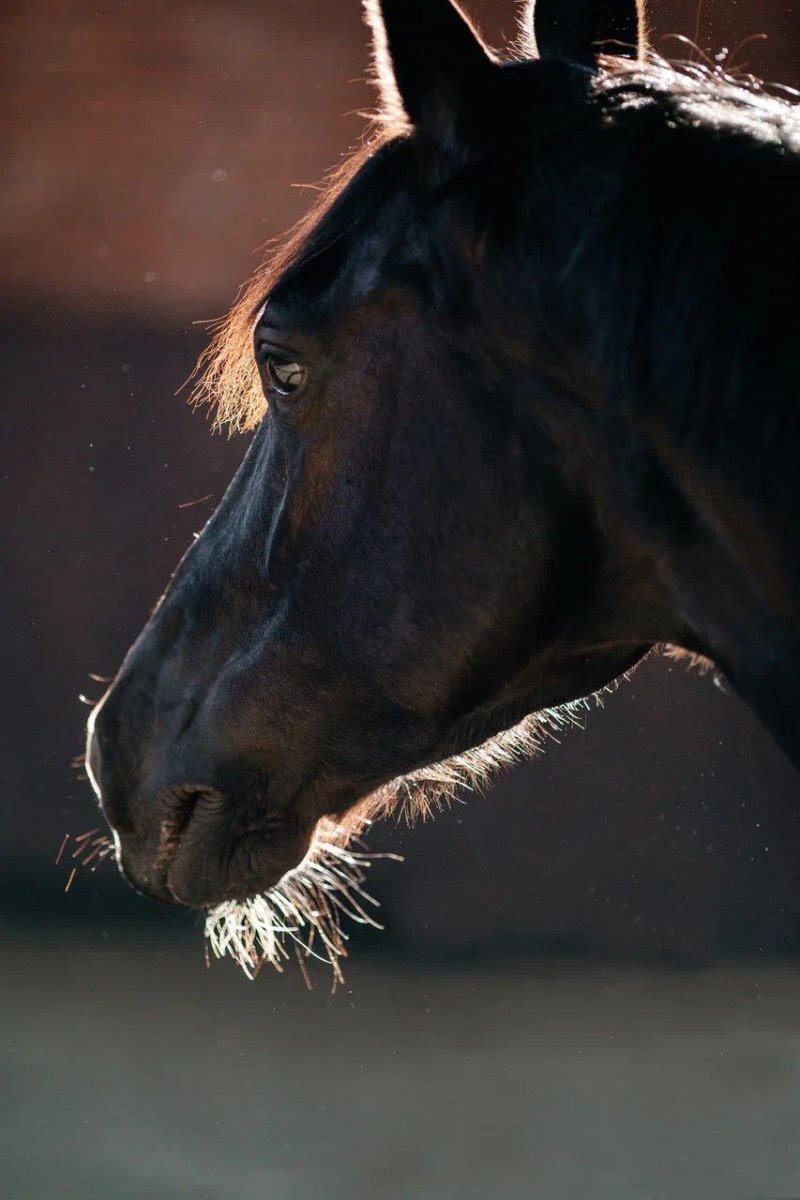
point(181, 837)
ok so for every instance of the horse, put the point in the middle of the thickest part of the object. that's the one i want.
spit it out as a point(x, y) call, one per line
point(522, 393)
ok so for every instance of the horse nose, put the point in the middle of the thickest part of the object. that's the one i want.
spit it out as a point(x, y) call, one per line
point(148, 764)
point(93, 756)
point(104, 755)
point(96, 738)
point(116, 784)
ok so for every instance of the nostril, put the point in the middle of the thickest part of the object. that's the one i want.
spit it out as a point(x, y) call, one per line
point(182, 805)
point(209, 803)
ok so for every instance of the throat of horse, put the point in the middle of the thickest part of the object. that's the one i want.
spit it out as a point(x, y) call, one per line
point(725, 542)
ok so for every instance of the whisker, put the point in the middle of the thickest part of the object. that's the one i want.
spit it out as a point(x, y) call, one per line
point(97, 847)
point(307, 905)
point(83, 836)
point(192, 503)
point(303, 969)
point(91, 849)
point(105, 853)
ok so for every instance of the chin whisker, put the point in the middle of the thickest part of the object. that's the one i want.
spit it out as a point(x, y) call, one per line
point(425, 792)
point(310, 901)
point(305, 907)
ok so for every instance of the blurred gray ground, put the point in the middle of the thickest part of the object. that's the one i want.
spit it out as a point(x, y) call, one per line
point(132, 1071)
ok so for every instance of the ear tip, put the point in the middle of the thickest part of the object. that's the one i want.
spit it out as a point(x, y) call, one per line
point(427, 57)
point(576, 29)
point(391, 111)
point(526, 37)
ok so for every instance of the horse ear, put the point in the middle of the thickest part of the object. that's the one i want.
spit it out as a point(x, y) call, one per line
point(578, 30)
point(429, 61)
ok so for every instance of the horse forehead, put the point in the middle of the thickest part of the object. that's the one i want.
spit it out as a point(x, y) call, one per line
point(369, 235)
point(351, 270)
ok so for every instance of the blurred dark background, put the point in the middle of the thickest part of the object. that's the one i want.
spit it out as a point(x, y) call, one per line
point(149, 150)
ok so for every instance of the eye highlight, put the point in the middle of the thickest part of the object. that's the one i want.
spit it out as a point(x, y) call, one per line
point(281, 375)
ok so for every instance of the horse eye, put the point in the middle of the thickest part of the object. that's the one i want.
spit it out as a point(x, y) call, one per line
point(281, 378)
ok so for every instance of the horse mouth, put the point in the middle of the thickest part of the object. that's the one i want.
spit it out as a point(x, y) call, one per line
point(206, 849)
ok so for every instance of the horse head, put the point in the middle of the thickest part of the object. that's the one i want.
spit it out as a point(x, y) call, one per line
point(424, 543)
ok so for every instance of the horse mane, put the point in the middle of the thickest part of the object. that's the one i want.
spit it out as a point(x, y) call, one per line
point(707, 98)
point(702, 94)
point(696, 320)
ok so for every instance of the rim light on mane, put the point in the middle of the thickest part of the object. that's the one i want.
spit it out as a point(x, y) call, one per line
point(226, 374)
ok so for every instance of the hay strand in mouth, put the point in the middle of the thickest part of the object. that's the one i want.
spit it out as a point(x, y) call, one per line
point(304, 910)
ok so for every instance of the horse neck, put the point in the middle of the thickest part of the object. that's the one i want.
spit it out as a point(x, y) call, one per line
point(704, 385)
